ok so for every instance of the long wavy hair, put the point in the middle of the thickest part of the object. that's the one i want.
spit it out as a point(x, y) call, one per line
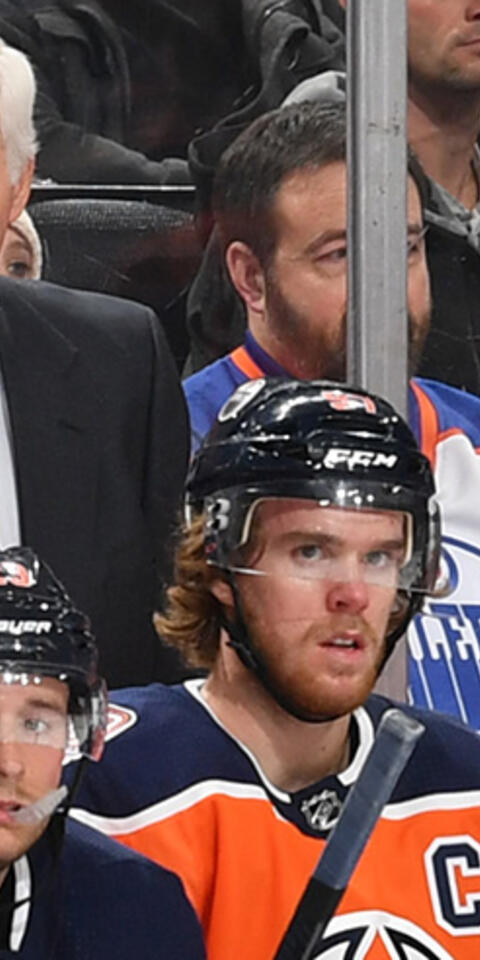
point(191, 621)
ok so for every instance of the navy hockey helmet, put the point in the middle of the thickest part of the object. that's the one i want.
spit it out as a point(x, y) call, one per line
point(42, 634)
point(321, 441)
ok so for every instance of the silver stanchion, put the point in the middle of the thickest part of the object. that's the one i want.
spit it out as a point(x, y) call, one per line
point(377, 230)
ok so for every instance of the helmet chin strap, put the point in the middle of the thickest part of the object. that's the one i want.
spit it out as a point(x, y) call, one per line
point(251, 658)
point(412, 604)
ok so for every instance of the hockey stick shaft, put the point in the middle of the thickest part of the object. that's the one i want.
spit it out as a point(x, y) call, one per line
point(396, 739)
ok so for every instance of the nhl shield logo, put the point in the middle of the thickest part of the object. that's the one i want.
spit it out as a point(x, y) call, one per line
point(322, 810)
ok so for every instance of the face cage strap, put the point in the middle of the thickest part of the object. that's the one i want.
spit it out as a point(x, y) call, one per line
point(251, 658)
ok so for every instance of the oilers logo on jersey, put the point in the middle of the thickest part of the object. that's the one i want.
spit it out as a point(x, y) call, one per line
point(375, 935)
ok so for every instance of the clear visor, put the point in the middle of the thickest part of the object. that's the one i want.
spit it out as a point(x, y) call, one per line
point(33, 710)
point(304, 540)
point(37, 710)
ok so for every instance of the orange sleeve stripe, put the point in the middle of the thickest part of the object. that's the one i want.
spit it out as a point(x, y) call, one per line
point(429, 429)
point(242, 359)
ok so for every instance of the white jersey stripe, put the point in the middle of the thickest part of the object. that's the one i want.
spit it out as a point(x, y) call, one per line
point(23, 893)
point(168, 808)
point(433, 803)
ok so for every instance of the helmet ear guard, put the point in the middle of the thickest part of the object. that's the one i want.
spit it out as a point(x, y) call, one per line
point(87, 721)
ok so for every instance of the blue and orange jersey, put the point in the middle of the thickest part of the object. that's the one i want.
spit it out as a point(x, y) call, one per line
point(208, 390)
point(175, 785)
point(444, 642)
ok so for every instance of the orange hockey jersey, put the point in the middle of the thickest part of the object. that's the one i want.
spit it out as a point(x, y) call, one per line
point(177, 787)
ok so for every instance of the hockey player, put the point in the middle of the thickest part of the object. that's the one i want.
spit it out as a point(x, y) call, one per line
point(66, 893)
point(313, 537)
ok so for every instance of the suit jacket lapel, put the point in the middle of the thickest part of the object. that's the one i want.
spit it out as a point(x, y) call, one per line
point(53, 412)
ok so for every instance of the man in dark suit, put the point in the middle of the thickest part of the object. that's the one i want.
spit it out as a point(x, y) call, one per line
point(93, 430)
point(99, 444)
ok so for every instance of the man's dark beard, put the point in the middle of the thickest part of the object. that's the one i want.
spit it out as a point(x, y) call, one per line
point(319, 358)
point(415, 347)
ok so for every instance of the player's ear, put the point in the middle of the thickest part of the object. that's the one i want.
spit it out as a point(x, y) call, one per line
point(246, 274)
point(343, 3)
point(222, 591)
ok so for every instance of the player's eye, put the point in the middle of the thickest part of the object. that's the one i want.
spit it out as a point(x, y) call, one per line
point(36, 725)
point(330, 257)
point(383, 560)
point(309, 552)
point(339, 253)
point(47, 728)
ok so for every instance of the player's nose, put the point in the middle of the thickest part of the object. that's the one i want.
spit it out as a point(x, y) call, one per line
point(11, 763)
point(473, 10)
point(347, 596)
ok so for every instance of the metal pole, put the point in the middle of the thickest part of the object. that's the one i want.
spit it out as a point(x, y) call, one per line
point(377, 210)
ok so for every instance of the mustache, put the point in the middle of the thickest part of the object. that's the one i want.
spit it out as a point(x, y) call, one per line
point(342, 623)
point(324, 627)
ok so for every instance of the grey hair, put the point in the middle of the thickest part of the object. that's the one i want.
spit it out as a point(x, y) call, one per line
point(17, 97)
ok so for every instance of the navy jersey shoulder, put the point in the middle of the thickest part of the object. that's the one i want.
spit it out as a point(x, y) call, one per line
point(206, 392)
point(446, 758)
point(166, 741)
point(125, 905)
point(101, 901)
point(161, 741)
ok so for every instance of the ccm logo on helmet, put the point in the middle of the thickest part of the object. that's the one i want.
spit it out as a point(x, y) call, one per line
point(358, 458)
point(16, 574)
point(18, 627)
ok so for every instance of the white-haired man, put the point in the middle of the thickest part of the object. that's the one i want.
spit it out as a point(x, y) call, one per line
point(18, 141)
point(91, 465)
